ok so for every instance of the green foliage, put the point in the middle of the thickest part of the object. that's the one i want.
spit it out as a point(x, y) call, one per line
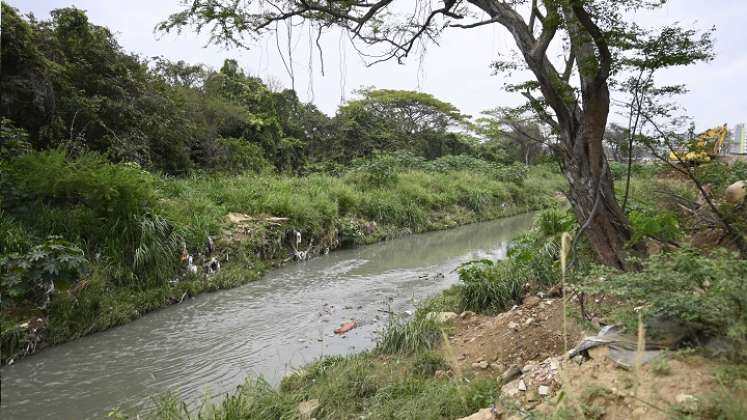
point(704, 291)
point(238, 155)
point(720, 175)
point(13, 236)
point(659, 224)
point(428, 362)
point(107, 208)
point(387, 120)
point(32, 274)
point(532, 262)
point(409, 336)
point(358, 385)
point(13, 141)
point(379, 172)
point(490, 287)
point(660, 365)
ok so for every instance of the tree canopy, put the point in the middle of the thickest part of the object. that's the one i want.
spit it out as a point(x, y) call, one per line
point(574, 49)
point(69, 84)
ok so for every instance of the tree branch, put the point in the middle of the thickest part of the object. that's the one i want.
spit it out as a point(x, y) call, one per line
point(605, 57)
point(569, 65)
point(738, 238)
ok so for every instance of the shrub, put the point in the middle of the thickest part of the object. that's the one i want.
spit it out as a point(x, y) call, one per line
point(32, 275)
point(706, 292)
point(427, 363)
point(490, 287)
point(13, 141)
point(238, 155)
point(720, 174)
point(107, 208)
point(379, 172)
point(659, 224)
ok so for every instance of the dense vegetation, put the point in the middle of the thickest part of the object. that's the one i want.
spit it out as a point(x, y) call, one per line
point(687, 281)
point(115, 169)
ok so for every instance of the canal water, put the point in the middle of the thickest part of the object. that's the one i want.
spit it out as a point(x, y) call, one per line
point(208, 345)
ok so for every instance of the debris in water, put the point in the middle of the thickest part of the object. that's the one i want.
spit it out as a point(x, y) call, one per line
point(345, 327)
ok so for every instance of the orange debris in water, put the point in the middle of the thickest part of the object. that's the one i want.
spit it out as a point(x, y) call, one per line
point(345, 327)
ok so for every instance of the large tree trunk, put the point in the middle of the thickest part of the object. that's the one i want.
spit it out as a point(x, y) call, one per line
point(608, 231)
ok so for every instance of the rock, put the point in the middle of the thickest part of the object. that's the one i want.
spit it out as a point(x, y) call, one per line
point(528, 322)
point(531, 301)
point(687, 402)
point(510, 374)
point(511, 389)
point(496, 366)
point(598, 352)
point(484, 414)
point(442, 316)
point(555, 291)
point(597, 323)
point(306, 409)
point(736, 192)
point(483, 364)
point(543, 390)
point(440, 374)
point(528, 368)
point(514, 326)
point(466, 315)
point(639, 413)
point(522, 385)
point(532, 396)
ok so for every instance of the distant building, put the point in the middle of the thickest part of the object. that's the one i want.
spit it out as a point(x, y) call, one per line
point(739, 140)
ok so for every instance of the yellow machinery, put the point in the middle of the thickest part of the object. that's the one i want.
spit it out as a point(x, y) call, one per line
point(701, 149)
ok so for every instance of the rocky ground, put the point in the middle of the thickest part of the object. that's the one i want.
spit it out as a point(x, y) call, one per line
point(524, 349)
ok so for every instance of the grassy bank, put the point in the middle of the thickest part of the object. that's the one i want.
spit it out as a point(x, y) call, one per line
point(402, 377)
point(685, 281)
point(89, 244)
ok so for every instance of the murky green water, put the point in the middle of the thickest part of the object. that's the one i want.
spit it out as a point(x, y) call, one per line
point(208, 345)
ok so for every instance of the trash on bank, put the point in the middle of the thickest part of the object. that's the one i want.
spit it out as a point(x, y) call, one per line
point(621, 347)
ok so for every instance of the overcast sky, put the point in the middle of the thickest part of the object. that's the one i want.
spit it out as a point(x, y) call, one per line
point(456, 71)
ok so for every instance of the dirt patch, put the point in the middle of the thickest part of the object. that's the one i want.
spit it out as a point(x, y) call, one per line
point(528, 333)
point(599, 389)
point(525, 351)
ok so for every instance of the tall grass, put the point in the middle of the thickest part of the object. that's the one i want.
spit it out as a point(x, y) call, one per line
point(490, 287)
point(420, 333)
point(133, 224)
point(361, 385)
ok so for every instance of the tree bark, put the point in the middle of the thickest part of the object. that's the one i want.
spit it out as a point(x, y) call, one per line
point(608, 230)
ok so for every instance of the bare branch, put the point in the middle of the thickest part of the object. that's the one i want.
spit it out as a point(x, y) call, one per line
point(533, 15)
point(569, 63)
point(734, 234)
point(474, 25)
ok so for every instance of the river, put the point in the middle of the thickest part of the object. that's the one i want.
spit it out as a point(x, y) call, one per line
point(208, 345)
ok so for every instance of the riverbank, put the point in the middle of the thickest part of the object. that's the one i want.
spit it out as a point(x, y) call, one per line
point(510, 365)
point(267, 328)
point(250, 220)
point(501, 350)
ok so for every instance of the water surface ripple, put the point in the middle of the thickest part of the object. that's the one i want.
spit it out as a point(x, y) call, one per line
point(208, 345)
